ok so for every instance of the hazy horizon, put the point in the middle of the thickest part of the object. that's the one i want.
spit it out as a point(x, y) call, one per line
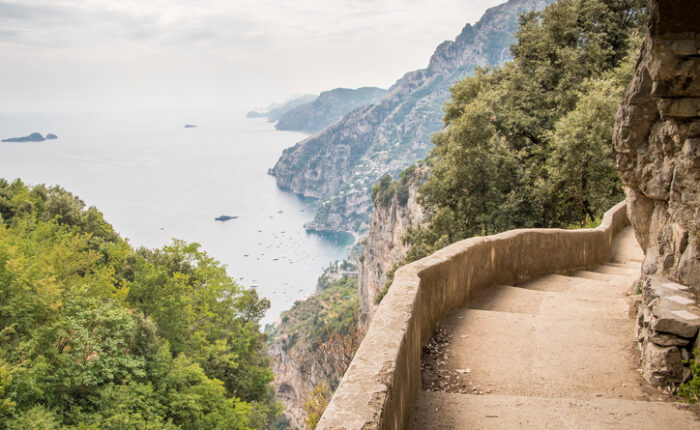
point(82, 55)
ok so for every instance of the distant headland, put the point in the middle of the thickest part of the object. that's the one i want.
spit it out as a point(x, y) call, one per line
point(34, 137)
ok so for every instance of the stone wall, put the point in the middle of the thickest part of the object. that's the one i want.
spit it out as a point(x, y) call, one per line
point(379, 389)
point(657, 146)
point(667, 329)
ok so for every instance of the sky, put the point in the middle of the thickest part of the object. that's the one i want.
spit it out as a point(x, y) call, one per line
point(110, 55)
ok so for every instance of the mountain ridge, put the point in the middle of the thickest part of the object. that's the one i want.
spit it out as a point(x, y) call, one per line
point(327, 108)
point(340, 164)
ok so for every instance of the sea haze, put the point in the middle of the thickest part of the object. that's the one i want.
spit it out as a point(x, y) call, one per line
point(155, 180)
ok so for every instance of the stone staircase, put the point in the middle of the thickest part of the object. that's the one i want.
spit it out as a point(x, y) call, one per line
point(555, 352)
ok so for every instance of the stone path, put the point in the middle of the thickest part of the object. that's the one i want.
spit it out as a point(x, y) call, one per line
point(557, 352)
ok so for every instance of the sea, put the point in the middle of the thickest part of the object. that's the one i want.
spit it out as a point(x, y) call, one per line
point(155, 180)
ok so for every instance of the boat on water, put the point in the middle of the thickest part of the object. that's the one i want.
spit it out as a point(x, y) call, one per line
point(225, 217)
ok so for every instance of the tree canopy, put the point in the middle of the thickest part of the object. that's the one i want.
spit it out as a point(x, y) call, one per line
point(529, 144)
point(97, 335)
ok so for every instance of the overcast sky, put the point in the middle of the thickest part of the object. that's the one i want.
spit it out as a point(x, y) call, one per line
point(66, 55)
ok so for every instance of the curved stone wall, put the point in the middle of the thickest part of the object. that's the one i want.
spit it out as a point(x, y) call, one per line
point(379, 388)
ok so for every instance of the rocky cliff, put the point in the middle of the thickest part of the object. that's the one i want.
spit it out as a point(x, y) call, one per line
point(384, 246)
point(657, 146)
point(657, 143)
point(290, 387)
point(312, 343)
point(341, 163)
point(328, 108)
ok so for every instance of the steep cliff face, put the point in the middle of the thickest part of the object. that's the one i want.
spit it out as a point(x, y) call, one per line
point(312, 343)
point(657, 145)
point(341, 163)
point(290, 386)
point(328, 108)
point(384, 246)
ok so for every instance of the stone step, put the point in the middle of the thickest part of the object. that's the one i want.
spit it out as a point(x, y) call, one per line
point(634, 265)
point(626, 280)
point(577, 301)
point(614, 270)
point(535, 355)
point(463, 411)
point(503, 298)
point(577, 287)
point(555, 352)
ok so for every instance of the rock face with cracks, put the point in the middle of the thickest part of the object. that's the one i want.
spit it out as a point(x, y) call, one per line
point(384, 245)
point(657, 143)
point(657, 146)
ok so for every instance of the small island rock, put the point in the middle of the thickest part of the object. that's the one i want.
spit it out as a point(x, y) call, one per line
point(34, 137)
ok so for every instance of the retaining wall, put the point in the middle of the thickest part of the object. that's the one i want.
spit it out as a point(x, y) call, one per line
point(379, 389)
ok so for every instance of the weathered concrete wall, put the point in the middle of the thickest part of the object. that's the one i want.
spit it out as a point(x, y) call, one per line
point(379, 388)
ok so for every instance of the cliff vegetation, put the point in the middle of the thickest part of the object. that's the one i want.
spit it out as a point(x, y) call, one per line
point(97, 334)
point(313, 343)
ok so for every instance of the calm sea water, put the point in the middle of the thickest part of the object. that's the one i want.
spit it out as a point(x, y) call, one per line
point(155, 180)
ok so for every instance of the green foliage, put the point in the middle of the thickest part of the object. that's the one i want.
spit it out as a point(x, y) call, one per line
point(36, 418)
point(310, 322)
point(205, 315)
point(315, 404)
point(530, 144)
point(691, 390)
point(386, 189)
point(587, 223)
point(385, 289)
point(338, 273)
point(94, 334)
point(382, 191)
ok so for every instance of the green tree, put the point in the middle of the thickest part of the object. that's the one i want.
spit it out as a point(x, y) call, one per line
point(205, 315)
point(529, 144)
point(87, 324)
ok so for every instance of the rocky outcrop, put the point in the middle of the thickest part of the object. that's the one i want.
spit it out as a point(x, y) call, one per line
point(328, 108)
point(657, 146)
point(384, 246)
point(341, 163)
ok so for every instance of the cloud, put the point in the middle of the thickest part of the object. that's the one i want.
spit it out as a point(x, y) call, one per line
point(218, 48)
